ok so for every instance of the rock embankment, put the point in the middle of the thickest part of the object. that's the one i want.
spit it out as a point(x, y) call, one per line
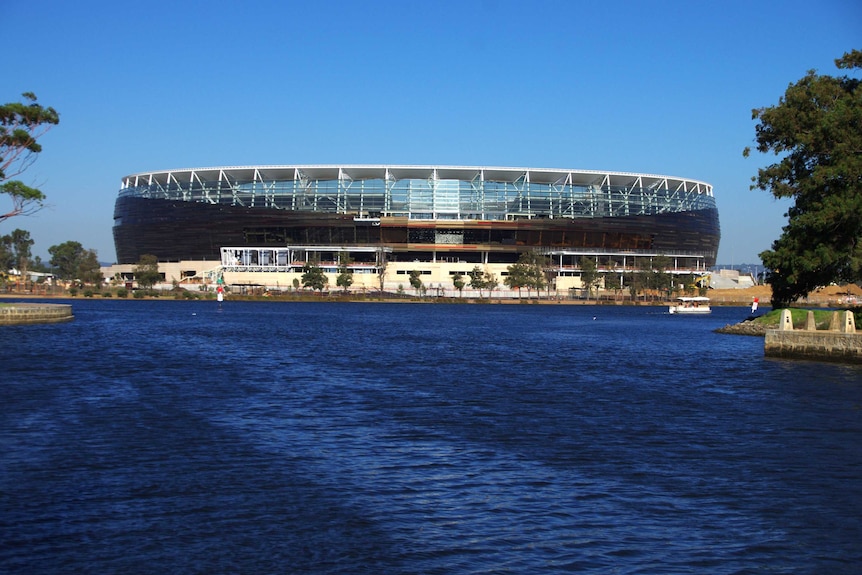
point(747, 328)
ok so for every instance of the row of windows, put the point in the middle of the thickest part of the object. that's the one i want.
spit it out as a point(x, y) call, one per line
point(328, 235)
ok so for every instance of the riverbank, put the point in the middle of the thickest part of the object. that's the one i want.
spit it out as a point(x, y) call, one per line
point(831, 296)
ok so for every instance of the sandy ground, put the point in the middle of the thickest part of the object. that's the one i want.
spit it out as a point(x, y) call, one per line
point(827, 295)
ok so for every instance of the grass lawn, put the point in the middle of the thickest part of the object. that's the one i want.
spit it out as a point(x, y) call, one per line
point(821, 317)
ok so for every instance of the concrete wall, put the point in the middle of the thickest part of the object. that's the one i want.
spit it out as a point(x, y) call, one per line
point(435, 275)
point(840, 342)
point(21, 314)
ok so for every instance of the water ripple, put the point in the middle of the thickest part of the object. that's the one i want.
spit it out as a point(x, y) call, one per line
point(175, 436)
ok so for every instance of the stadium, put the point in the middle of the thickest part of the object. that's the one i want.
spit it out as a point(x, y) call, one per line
point(259, 225)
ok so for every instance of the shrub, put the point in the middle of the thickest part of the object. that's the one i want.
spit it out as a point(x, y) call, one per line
point(138, 294)
point(88, 293)
point(122, 292)
point(107, 294)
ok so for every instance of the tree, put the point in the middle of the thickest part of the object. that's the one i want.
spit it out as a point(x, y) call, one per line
point(528, 272)
point(816, 131)
point(381, 267)
point(147, 271)
point(15, 251)
point(7, 255)
point(518, 276)
point(416, 281)
point(89, 270)
point(490, 282)
point(313, 277)
point(66, 258)
point(458, 283)
point(589, 274)
point(659, 278)
point(477, 279)
point(345, 276)
point(72, 262)
point(21, 125)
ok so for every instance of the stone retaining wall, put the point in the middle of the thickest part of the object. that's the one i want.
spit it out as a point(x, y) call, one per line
point(840, 342)
point(22, 314)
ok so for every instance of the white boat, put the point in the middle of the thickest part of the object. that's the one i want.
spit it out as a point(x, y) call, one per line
point(691, 305)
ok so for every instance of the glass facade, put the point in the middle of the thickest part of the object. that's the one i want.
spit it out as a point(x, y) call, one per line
point(190, 214)
point(474, 194)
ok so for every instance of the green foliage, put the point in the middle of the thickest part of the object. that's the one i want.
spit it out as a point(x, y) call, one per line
point(528, 273)
point(477, 279)
point(25, 200)
point(651, 274)
point(381, 262)
point(816, 131)
point(89, 270)
point(491, 282)
point(458, 283)
point(345, 276)
point(15, 250)
point(7, 256)
point(65, 259)
point(659, 278)
point(21, 243)
point(72, 262)
point(147, 271)
point(416, 281)
point(21, 125)
point(313, 277)
point(799, 316)
point(589, 274)
point(122, 293)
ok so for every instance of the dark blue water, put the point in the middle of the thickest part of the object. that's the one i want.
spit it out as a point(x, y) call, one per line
point(184, 437)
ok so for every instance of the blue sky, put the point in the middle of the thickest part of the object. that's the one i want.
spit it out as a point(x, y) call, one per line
point(657, 87)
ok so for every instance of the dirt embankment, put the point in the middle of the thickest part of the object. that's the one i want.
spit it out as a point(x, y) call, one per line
point(830, 295)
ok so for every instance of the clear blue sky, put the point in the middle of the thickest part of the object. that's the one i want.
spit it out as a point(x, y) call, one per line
point(658, 87)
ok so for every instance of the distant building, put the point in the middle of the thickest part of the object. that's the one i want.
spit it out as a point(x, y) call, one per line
point(260, 224)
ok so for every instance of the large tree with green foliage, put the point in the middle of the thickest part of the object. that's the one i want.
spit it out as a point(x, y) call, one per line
point(816, 132)
point(89, 270)
point(21, 126)
point(477, 279)
point(527, 272)
point(65, 259)
point(72, 262)
point(15, 250)
point(147, 271)
point(313, 277)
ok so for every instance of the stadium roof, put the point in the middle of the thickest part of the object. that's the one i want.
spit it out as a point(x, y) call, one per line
point(400, 172)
